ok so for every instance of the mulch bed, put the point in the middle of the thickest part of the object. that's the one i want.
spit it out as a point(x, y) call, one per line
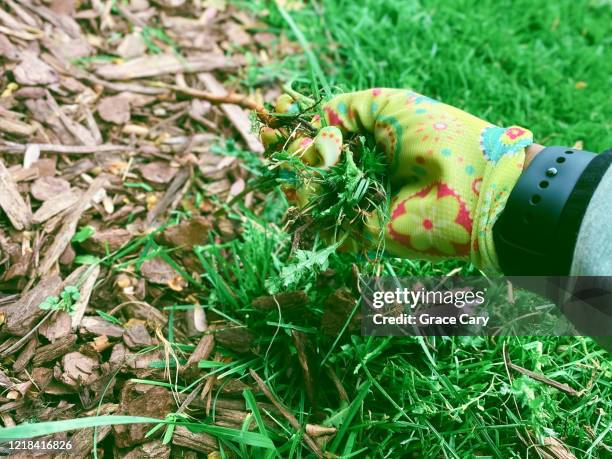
point(96, 153)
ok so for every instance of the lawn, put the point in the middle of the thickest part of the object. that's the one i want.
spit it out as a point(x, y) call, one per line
point(543, 65)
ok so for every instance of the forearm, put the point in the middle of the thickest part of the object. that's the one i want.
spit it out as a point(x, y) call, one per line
point(530, 152)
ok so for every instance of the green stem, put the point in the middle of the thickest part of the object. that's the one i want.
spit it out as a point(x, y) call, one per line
point(300, 98)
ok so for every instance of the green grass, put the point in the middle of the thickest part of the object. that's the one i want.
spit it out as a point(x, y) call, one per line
point(27, 431)
point(508, 62)
point(523, 63)
point(435, 397)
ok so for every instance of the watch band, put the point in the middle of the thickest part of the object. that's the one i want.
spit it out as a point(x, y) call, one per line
point(537, 230)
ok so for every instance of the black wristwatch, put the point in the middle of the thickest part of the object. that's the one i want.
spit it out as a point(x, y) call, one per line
point(536, 233)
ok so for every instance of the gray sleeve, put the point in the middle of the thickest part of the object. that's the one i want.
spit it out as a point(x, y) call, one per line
point(593, 251)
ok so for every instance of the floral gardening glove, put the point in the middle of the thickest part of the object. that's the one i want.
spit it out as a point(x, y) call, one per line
point(451, 172)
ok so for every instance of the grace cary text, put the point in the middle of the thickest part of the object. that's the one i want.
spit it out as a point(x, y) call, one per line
point(427, 319)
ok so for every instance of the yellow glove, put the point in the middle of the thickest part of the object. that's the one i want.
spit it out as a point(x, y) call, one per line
point(451, 172)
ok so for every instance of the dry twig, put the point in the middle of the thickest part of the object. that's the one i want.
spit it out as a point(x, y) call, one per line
point(18, 148)
point(286, 413)
point(213, 98)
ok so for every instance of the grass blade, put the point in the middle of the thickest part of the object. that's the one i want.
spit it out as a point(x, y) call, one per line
point(315, 68)
point(47, 428)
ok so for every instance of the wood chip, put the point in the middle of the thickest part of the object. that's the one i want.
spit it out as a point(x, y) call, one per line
point(158, 172)
point(5, 381)
point(49, 353)
point(173, 194)
point(188, 233)
point(16, 127)
point(32, 71)
point(315, 430)
point(141, 400)
point(21, 316)
point(31, 156)
point(56, 327)
point(338, 308)
point(79, 369)
point(115, 109)
point(202, 351)
point(25, 356)
point(110, 239)
point(136, 335)
point(163, 64)
point(55, 205)
point(197, 318)
point(239, 117)
point(202, 442)
point(158, 271)
point(85, 291)
point(62, 239)
point(46, 188)
point(94, 325)
point(7, 49)
point(19, 174)
point(338, 384)
point(29, 92)
point(83, 439)
point(144, 311)
point(151, 450)
point(16, 148)
point(78, 131)
point(238, 339)
point(18, 212)
point(286, 301)
point(132, 46)
point(236, 34)
point(63, 6)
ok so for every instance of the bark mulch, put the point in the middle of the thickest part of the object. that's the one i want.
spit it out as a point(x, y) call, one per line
point(102, 144)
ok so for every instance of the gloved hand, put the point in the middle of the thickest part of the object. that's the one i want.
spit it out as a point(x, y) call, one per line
point(451, 172)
